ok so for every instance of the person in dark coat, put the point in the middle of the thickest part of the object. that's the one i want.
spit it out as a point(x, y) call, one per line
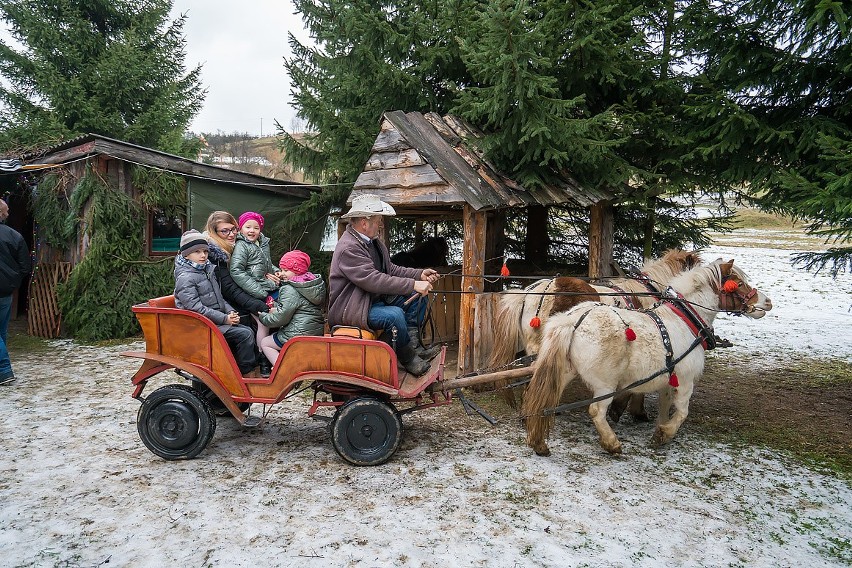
point(15, 264)
point(368, 291)
point(197, 289)
point(221, 234)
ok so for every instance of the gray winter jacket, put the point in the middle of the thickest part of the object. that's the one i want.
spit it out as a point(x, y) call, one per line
point(298, 310)
point(198, 290)
point(250, 262)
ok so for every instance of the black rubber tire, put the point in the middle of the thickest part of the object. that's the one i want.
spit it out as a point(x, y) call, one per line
point(219, 409)
point(366, 431)
point(175, 422)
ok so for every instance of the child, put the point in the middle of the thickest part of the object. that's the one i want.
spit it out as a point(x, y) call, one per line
point(251, 264)
point(298, 309)
point(198, 290)
point(252, 268)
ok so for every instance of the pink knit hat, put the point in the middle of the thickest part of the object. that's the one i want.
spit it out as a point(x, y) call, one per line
point(295, 260)
point(251, 216)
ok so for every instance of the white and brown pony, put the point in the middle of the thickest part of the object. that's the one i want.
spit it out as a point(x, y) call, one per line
point(592, 342)
point(517, 329)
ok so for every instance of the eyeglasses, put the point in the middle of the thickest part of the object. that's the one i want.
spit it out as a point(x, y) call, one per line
point(227, 232)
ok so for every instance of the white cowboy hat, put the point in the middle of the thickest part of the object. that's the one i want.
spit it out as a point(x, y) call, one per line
point(366, 205)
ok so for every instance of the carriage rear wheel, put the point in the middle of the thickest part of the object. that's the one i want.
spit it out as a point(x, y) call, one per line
point(366, 431)
point(175, 422)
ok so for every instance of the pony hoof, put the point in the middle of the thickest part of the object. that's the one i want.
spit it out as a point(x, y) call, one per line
point(542, 451)
point(658, 439)
point(615, 450)
point(643, 417)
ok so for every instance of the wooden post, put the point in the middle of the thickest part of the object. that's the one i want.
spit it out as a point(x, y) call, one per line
point(473, 263)
point(601, 229)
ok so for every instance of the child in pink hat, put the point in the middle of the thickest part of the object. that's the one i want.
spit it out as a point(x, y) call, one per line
point(252, 268)
point(298, 309)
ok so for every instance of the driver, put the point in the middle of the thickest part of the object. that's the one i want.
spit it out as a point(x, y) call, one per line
point(368, 291)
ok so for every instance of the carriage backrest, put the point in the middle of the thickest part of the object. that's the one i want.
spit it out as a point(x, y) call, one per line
point(163, 302)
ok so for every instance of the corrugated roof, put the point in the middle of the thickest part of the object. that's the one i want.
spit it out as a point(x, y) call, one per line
point(448, 144)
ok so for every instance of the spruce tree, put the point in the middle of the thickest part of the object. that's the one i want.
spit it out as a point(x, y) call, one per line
point(784, 129)
point(111, 68)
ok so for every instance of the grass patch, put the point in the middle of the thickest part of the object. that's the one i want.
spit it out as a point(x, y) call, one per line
point(21, 342)
point(756, 219)
point(823, 372)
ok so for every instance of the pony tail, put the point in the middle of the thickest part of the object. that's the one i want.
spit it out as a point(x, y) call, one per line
point(507, 339)
point(553, 372)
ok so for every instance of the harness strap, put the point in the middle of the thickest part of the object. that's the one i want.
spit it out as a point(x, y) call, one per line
point(678, 304)
point(625, 295)
point(667, 341)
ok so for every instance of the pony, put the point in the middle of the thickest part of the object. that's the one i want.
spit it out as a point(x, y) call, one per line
point(544, 298)
point(658, 349)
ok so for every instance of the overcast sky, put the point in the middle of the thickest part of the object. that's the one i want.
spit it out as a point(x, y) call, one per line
point(241, 47)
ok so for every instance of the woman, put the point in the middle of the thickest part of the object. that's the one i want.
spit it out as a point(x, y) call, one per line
point(221, 234)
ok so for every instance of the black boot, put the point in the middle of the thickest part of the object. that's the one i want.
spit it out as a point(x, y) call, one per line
point(411, 361)
point(425, 353)
point(265, 366)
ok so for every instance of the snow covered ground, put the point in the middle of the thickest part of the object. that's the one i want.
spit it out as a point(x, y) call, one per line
point(78, 488)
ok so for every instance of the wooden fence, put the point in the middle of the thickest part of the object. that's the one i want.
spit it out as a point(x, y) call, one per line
point(44, 317)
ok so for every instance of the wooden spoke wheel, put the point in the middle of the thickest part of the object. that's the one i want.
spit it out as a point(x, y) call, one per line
point(175, 422)
point(366, 431)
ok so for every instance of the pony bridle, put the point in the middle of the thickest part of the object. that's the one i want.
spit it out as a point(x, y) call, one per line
point(727, 300)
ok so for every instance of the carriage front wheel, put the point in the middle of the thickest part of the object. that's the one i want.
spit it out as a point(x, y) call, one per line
point(175, 422)
point(366, 431)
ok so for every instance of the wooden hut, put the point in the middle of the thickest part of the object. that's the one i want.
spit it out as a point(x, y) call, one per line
point(427, 167)
point(208, 188)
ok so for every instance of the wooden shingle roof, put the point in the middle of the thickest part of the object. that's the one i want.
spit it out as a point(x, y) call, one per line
point(422, 160)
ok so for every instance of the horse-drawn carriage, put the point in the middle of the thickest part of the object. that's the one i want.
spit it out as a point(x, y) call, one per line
point(358, 376)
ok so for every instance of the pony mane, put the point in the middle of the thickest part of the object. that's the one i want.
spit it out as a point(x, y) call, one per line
point(706, 279)
point(671, 264)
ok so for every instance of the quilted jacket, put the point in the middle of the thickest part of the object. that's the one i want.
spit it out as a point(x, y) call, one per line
point(250, 262)
point(198, 290)
point(298, 310)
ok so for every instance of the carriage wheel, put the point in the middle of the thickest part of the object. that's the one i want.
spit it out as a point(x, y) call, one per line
point(175, 422)
point(366, 431)
point(219, 408)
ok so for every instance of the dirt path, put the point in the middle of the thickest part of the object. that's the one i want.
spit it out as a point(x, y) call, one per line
point(79, 489)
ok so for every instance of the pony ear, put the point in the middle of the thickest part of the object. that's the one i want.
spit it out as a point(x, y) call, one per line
point(693, 259)
point(726, 267)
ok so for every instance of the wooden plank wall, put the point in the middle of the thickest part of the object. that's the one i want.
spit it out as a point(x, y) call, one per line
point(44, 318)
point(444, 324)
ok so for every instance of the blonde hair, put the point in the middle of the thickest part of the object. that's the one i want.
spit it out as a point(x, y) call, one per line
point(212, 234)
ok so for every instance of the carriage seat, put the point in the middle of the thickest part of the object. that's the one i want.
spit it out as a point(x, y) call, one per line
point(163, 302)
point(351, 331)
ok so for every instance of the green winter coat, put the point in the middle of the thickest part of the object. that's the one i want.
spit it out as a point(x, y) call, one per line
point(250, 263)
point(298, 310)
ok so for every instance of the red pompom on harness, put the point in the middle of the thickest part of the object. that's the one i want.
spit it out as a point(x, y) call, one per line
point(673, 381)
point(504, 272)
point(536, 321)
point(730, 287)
point(630, 334)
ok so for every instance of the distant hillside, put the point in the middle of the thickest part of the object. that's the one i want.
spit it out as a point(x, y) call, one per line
point(260, 156)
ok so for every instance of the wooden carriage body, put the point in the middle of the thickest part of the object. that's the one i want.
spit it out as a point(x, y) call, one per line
point(185, 340)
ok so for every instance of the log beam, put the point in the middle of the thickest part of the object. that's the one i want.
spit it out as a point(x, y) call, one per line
point(473, 268)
